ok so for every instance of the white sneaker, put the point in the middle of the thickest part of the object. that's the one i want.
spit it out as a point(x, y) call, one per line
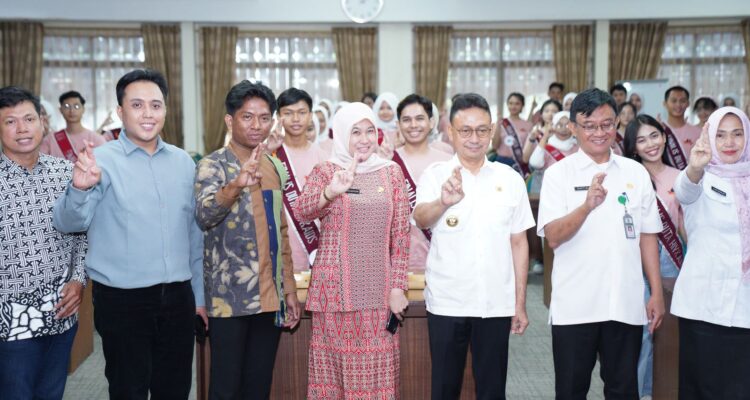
point(537, 268)
point(646, 397)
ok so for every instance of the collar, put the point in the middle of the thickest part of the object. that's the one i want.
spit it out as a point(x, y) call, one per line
point(582, 160)
point(130, 147)
point(12, 166)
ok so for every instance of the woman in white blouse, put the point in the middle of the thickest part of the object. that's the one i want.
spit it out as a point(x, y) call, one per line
point(712, 293)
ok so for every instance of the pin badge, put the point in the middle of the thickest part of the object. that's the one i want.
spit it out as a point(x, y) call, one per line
point(452, 221)
point(381, 189)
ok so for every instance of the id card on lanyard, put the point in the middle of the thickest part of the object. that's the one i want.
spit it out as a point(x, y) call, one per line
point(627, 219)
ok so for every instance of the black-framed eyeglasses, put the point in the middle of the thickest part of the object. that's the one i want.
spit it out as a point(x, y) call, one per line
point(482, 132)
point(73, 106)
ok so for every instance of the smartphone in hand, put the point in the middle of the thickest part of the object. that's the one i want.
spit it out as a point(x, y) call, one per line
point(392, 323)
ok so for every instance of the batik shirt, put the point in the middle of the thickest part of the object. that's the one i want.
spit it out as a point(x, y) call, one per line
point(35, 259)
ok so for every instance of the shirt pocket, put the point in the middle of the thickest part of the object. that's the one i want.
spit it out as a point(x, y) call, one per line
point(712, 193)
point(502, 207)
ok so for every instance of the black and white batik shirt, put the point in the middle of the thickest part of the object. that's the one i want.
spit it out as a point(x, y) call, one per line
point(35, 259)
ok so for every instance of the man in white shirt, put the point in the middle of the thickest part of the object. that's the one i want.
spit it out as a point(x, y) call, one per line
point(598, 212)
point(478, 212)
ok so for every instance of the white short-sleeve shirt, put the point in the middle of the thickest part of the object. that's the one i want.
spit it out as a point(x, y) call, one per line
point(711, 287)
point(469, 268)
point(597, 274)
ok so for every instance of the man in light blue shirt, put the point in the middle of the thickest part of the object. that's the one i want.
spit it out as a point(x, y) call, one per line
point(134, 197)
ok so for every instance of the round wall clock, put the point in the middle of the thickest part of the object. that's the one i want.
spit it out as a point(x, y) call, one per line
point(361, 11)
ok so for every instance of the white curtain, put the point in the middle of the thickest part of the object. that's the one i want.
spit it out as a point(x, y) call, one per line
point(305, 60)
point(497, 63)
point(90, 61)
point(707, 60)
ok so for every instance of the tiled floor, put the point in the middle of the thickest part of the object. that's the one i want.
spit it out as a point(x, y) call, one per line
point(530, 370)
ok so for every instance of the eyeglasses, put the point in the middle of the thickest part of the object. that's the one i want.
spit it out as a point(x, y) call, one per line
point(73, 106)
point(482, 132)
point(591, 128)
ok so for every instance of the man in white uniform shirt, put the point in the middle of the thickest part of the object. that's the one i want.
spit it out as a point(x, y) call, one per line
point(478, 212)
point(598, 212)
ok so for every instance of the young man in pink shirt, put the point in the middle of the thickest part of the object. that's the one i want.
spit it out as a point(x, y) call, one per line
point(68, 142)
point(681, 136)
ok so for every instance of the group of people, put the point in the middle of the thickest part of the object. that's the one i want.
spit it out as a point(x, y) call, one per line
point(360, 194)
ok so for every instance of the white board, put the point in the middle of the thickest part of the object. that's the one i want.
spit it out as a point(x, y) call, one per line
point(652, 94)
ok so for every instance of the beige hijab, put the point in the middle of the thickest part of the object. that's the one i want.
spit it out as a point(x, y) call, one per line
point(343, 122)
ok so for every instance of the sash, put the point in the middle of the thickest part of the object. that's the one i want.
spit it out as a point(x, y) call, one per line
point(674, 150)
point(618, 141)
point(517, 151)
point(554, 152)
point(308, 232)
point(411, 189)
point(63, 141)
point(668, 236)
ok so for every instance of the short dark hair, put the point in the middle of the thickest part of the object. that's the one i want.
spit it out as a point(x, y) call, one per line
point(548, 102)
point(247, 90)
point(138, 75)
point(588, 101)
point(558, 85)
point(618, 87)
point(517, 95)
point(705, 102)
point(676, 88)
point(465, 101)
point(631, 136)
point(293, 96)
point(70, 94)
point(11, 96)
point(414, 99)
point(372, 95)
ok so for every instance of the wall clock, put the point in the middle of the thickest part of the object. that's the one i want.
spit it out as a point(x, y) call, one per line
point(361, 11)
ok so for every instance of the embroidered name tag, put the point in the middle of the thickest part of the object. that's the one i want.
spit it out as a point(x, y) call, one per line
point(581, 188)
point(352, 191)
point(719, 191)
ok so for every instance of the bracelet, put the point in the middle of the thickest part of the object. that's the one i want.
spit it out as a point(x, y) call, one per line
point(326, 197)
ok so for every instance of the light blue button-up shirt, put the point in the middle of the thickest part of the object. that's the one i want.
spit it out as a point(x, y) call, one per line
point(139, 218)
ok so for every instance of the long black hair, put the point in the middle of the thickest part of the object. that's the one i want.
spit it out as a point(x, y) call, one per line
point(631, 135)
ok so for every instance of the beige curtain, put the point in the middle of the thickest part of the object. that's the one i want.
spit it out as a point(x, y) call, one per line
point(356, 61)
point(161, 45)
point(432, 62)
point(572, 44)
point(635, 50)
point(21, 45)
point(218, 59)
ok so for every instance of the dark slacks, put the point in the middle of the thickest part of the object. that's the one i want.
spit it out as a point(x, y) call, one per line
point(148, 339)
point(243, 351)
point(450, 338)
point(714, 361)
point(35, 368)
point(575, 349)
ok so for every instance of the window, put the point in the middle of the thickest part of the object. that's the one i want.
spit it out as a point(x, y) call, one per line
point(497, 63)
point(708, 61)
point(90, 62)
point(305, 60)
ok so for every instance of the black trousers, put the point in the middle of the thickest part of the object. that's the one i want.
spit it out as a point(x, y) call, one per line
point(148, 339)
point(714, 361)
point(450, 338)
point(575, 349)
point(243, 351)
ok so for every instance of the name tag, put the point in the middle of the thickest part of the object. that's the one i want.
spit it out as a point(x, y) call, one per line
point(581, 188)
point(352, 191)
point(627, 221)
point(719, 191)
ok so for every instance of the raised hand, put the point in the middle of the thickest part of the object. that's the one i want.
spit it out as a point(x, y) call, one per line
point(385, 149)
point(700, 155)
point(452, 191)
point(249, 174)
point(276, 138)
point(342, 180)
point(86, 173)
point(597, 193)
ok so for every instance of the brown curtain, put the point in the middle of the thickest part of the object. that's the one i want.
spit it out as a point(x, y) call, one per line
point(356, 61)
point(21, 45)
point(432, 61)
point(746, 36)
point(572, 44)
point(161, 45)
point(218, 59)
point(635, 50)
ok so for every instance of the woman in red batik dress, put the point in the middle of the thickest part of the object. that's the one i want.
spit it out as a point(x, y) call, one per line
point(359, 273)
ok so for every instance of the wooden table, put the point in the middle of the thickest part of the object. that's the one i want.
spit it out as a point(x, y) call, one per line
point(290, 371)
